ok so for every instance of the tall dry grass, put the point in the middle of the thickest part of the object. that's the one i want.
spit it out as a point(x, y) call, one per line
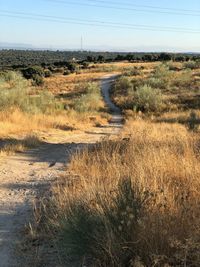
point(16, 122)
point(133, 201)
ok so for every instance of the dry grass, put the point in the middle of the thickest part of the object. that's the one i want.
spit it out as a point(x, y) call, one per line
point(120, 67)
point(12, 146)
point(66, 84)
point(15, 122)
point(135, 202)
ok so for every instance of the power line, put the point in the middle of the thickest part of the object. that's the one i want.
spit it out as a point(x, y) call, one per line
point(124, 8)
point(144, 6)
point(43, 17)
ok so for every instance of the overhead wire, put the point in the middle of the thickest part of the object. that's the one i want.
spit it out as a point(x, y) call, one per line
point(43, 17)
point(123, 7)
point(144, 6)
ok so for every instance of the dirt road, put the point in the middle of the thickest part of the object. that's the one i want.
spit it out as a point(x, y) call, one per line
point(26, 175)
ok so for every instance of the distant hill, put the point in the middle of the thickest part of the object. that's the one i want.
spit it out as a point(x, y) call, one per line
point(17, 46)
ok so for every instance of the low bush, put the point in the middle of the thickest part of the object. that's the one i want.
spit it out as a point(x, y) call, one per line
point(131, 71)
point(15, 92)
point(35, 73)
point(147, 99)
point(47, 73)
point(73, 67)
point(191, 65)
point(162, 72)
point(58, 70)
point(90, 100)
point(66, 72)
point(37, 80)
point(193, 121)
point(156, 83)
point(85, 65)
point(123, 84)
point(184, 79)
point(163, 75)
point(173, 66)
point(30, 72)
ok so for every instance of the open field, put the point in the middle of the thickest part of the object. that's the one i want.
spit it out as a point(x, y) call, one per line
point(130, 199)
point(136, 210)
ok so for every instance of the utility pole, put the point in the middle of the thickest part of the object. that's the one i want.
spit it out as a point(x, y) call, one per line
point(81, 43)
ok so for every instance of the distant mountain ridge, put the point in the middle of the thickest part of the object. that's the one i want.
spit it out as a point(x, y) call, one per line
point(24, 46)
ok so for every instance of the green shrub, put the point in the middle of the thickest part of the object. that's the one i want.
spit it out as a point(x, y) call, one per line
point(14, 89)
point(156, 83)
point(131, 71)
point(90, 101)
point(172, 66)
point(162, 76)
point(148, 99)
point(123, 84)
point(30, 72)
point(66, 72)
point(191, 65)
point(59, 70)
point(73, 67)
point(162, 71)
point(193, 122)
point(35, 73)
point(183, 80)
point(47, 73)
point(15, 92)
point(85, 65)
point(43, 102)
point(37, 80)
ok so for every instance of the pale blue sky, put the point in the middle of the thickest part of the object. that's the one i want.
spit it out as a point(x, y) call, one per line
point(51, 34)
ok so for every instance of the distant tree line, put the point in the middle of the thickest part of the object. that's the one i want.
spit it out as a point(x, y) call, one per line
point(24, 58)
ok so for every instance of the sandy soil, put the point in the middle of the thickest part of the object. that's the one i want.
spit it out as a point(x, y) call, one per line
point(26, 176)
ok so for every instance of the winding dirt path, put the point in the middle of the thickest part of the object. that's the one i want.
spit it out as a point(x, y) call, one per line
point(25, 176)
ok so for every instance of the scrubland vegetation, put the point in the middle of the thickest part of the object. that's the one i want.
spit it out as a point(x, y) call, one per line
point(129, 201)
point(26, 108)
point(158, 90)
point(134, 200)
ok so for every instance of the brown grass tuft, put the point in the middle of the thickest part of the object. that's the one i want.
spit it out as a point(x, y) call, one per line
point(13, 146)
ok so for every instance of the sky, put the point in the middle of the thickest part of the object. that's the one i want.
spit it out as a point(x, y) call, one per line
point(60, 24)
